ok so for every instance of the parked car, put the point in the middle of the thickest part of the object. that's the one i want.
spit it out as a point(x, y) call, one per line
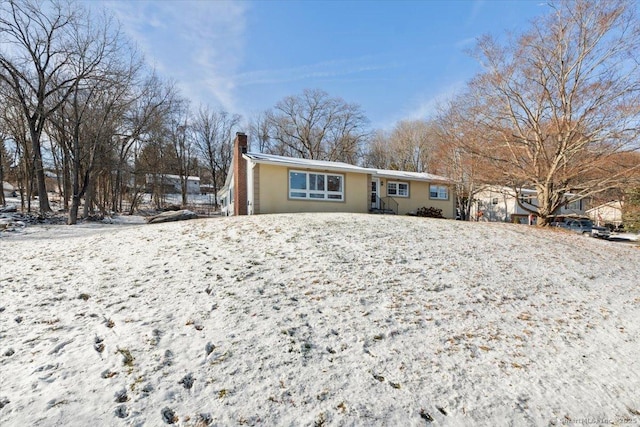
point(585, 226)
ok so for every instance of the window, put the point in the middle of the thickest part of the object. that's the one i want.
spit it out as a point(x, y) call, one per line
point(576, 205)
point(398, 189)
point(438, 192)
point(526, 199)
point(316, 186)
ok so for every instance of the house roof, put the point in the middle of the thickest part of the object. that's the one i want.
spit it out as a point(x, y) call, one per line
point(342, 167)
point(411, 176)
point(304, 163)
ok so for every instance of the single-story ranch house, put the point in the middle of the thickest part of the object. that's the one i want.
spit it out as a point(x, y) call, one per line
point(260, 183)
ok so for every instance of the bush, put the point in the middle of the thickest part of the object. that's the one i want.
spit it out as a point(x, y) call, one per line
point(429, 212)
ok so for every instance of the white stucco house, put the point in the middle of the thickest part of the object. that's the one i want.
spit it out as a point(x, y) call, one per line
point(498, 203)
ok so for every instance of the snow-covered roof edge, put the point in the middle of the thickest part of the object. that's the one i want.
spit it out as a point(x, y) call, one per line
point(304, 163)
point(412, 176)
point(342, 167)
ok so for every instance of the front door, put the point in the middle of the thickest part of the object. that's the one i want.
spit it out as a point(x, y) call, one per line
point(375, 193)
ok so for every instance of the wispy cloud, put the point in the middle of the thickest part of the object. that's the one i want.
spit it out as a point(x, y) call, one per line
point(320, 70)
point(424, 107)
point(465, 43)
point(475, 11)
point(199, 44)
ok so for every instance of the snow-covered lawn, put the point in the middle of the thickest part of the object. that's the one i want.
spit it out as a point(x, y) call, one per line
point(325, 319)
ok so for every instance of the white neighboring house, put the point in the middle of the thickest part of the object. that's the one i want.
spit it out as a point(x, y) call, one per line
point(171, 183)
point(607, 213)
point(496, 203)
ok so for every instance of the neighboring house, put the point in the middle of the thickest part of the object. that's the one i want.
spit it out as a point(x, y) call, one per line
point(260, 183)
point(171, 183)
point(496, 203)
point(605, 214)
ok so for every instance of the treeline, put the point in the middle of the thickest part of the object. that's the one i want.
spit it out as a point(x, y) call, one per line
point(555, 109)
point(81, 107)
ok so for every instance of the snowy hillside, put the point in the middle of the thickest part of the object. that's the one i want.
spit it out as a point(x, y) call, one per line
point(325, 319)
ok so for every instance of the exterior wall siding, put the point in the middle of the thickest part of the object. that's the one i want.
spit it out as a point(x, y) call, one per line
point(419, 197)
point(273, 195)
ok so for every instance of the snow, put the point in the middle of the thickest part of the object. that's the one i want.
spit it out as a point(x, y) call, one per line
point(300, 319)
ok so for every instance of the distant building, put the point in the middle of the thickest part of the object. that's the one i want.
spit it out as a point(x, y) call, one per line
point(171, 183)
point(497, 203)
point(607, 214)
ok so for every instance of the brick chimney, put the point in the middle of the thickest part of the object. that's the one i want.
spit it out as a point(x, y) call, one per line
point(239, 175)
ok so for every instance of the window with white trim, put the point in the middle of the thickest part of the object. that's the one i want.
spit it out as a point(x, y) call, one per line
point(528, 199)
point(397, 189)
point(576, 205)
point(438, 192)
point(316, 186)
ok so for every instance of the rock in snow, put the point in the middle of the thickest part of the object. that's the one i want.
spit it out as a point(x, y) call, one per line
point(171, 216)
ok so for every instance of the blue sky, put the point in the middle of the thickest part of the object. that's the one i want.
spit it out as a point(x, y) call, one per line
point(396, 59)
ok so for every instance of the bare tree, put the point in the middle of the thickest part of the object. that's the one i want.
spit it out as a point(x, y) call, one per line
point(85, 121)
point(213, 136)
point(3, 162)
point(40, 60)
point(146, 111)
point(315, 126)
point(14, 124)
point(555, 104)
point(412, 144)
point(259, 132)
point(179, 133)
point(379, 153)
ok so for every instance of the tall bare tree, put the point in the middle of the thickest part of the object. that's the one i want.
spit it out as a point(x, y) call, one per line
point(213, 136)
point(3, 162)
point(409, 146)
point(314, 125)
point(14, 124)
point(41, 60)
point(259, 132)
point(143, 120)
point(85, 121)
point(378, 153)
point(179, 134)
point(555, 104)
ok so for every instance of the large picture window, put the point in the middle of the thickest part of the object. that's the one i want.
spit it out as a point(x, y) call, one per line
point(316, 186)
point(397, 189)
point(438, 192)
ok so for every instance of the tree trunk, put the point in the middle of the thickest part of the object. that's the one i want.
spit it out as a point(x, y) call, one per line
point(2, 200)
point(38, 169)
point(75, 198)
point(88, 198)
